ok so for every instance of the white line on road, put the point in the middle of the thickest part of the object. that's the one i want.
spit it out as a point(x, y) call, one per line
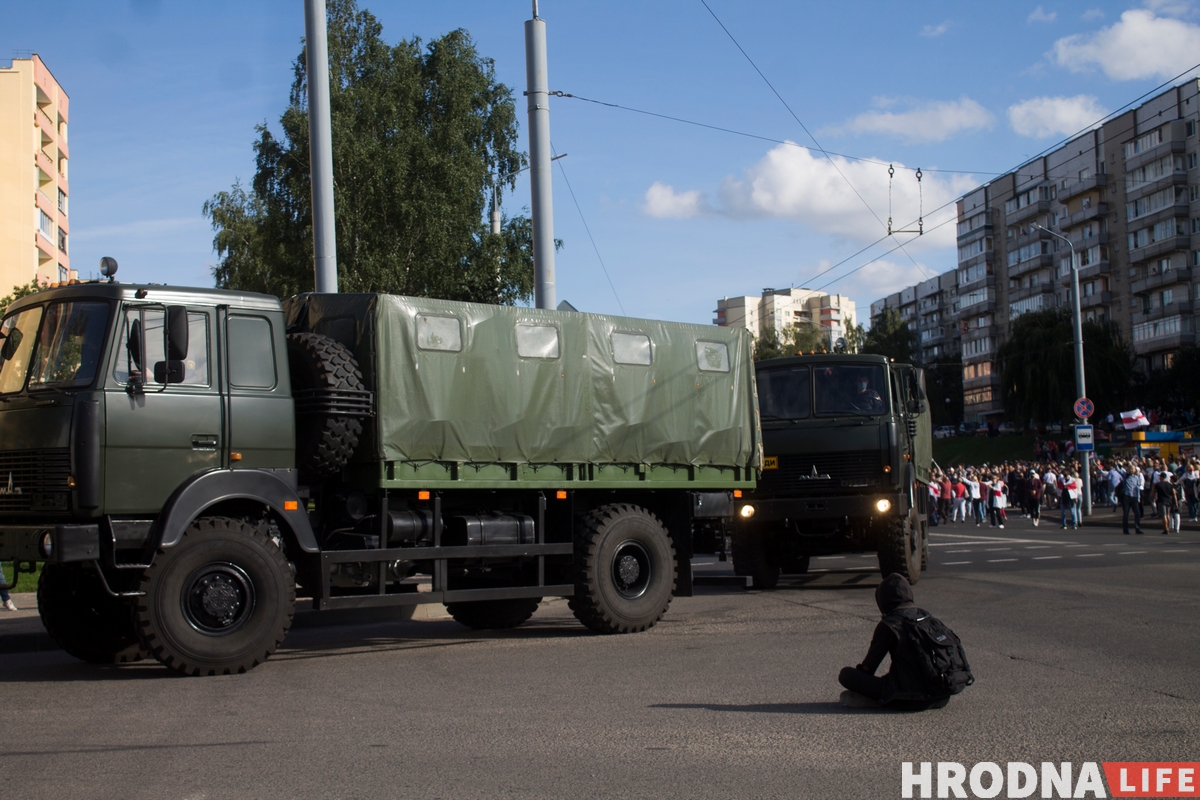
point(954, 563)
point(1176, 551)
point(702, 563)
point(1079, 545)
point(1132, 553)
point(827, 558)
point(948, 552)
point(1044, 558)
point(992, 539)
point(1088, 555)
point(995, 549)
point(998, 560)
point(1038, 547)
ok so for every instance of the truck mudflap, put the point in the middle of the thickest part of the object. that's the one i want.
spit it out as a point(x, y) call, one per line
point(63, 543)
point(207, 489)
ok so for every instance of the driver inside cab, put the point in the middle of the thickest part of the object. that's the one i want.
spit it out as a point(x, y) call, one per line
point(864, 398)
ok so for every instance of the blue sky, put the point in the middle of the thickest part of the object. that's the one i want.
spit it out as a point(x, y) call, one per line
point(165, 96)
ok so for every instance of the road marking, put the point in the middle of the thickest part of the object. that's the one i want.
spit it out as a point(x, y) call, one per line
point(998, 560)
point(954, 563)
point(1038, 547)
point(1079, 545)
point(1044, 558)
point(959, 551)
point(702, 563)
point(826, 558)
point(1118, 544)
point(995, 549)
point(992, 539)
point(1132, 553)
point(1088, 555)
point(1176, 551)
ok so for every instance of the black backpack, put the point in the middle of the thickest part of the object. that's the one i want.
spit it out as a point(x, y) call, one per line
point(936, 653)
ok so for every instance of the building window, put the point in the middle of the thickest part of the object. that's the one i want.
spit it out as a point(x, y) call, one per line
point(63, 274)
point(1190, 127)
point(62, 240)
point(976, 397)
point(1143, 143)
point(62, 202)
point(1157, 329)
point(45, 225)
point(1191, 160)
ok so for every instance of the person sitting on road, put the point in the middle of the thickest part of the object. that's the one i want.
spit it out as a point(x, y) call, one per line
point(902, 687)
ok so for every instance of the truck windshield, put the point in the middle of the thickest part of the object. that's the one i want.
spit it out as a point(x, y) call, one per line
point(843, 389)
point(54, 346)
point(783, 393)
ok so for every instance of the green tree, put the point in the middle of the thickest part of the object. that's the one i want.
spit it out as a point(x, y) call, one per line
point(890, 336)
point(17, 293)
point(856, 337)
point(1037, 367)
point(419, 138)
point(790, 341)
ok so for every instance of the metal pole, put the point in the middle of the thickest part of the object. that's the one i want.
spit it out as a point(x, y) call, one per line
point(320, 147)
point(538, 101)
point(1080, 383)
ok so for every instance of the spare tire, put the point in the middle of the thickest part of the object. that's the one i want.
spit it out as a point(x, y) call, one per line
point(326, 435)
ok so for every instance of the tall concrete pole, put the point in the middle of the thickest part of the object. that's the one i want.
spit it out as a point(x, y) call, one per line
point(1080, 383)
point(320, 147)
point(538, 101)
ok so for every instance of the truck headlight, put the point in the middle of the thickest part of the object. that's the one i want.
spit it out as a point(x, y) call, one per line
point(747, 511)
point(883, 505)
point(46, 545)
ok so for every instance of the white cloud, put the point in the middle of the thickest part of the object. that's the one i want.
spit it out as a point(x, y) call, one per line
point(1139, 45)
point(929, 121)
point(1092, 15)
point(664, 202)
point(879, 279)
point(935, 30)
point(1040, 15)
point(1042, 117)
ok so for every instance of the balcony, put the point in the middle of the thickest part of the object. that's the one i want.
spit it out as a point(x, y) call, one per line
point(1169, 277)
point(1095, 211)
point(1154, 153)
point(982, 281)
point(1150, 187)
point(988, 256)
point(1182, 306)
point(1028, 212)
point(1171, 341)
point(1087, 273)
point(1027, 237)
point(933, 336)
point(1083, 187)
point(1179, 209)
point(1037, 262)
point(975, 233)
point(982, 382)
point(1169, 245)
point(1080, 243)
point(46, 164)
point(1095, 300)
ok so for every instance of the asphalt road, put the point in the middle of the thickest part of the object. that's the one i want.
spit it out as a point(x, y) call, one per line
point(1083, 644)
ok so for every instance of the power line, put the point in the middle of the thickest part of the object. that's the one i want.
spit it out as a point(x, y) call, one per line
point(881, 255)
point(589, 232)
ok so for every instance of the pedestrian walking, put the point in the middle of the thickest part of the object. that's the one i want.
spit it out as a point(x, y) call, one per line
point(1033, 496)
point(6, 603)
point(1191, 490)
point(1131, 500)
point(975, 498)
point(1166, 500)
point(999, 494)
point(1072, 492)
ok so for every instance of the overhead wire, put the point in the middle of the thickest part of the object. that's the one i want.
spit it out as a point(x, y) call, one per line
point(589, 231)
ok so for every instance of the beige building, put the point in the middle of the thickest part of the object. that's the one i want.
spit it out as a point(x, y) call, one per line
point(34, 231)
point(779, 309)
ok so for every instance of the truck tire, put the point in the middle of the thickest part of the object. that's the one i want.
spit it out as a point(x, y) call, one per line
point(901, 551)
point(795, 566)
point(752, 557)
point(624, 570)
point(324, 442)
point(85, 620)
point(219, 602)
point(493, 615)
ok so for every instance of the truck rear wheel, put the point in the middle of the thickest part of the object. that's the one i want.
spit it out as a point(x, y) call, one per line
point(624, 570)
point(490, 615)
point(901, 551)
point(325, 442)
point(752, 556)
point(219, 602)
point(85, 620)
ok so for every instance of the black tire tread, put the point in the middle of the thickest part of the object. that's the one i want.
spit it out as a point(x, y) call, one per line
point(324, 444)
point(588, 539)
point(893, 554)
point(493, 615)
point(157, 648)
point(83, 619)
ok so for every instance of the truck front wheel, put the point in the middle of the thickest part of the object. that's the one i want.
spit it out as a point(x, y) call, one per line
point(85, 620)
point(624, 570)
point(219, 602)
point(900, 552)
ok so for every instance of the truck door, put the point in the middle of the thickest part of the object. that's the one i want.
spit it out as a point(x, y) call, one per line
point(260, 417)
point(163, 424)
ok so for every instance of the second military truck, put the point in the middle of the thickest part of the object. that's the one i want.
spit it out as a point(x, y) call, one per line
point(847, 452)
point(181, 459)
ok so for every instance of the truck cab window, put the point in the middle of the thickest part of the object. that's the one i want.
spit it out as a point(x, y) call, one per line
point(783, 393)
point(846, 389)
point(251, 353)
point(69, 345)
point(20, 333)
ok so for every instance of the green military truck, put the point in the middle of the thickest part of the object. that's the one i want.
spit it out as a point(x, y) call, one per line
point(847, 452)
point(181, 460)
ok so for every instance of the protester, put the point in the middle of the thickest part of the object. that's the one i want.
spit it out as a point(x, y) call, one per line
point(1131, 500)
point(1166, 500)
point(999, 494)
point(1033, 496)
point(1072, 492)
point(1191, 490)
point(904, 686)
point(960, 500)
point(6, 603)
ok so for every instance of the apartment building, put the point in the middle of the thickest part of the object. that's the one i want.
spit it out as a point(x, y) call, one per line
point(1126, 196)
point(34, 227)
point(779, 309)
point(931, 310)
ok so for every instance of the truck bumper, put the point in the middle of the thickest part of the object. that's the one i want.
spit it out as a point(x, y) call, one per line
point(66, 542)
point(771, 510)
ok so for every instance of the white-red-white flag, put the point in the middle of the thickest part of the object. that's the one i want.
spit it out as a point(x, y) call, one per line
point(1134, 419)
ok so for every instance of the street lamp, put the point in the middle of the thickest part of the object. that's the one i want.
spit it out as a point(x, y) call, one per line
point(1080, 385)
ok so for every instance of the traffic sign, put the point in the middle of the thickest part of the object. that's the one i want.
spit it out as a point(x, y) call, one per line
point(1085, 438)
point(1084, 408)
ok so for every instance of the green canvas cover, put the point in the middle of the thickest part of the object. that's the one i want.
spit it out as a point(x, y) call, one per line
point(489, 398)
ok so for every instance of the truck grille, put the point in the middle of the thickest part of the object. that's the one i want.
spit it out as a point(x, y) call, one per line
point(817, 473)
point(34, 480)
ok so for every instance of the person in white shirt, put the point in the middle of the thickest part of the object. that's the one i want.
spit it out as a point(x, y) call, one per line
point(975, 499)
point(1050, 492)
point(1114, 480)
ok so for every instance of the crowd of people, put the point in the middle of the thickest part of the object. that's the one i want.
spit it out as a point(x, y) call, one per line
point(1167, 487)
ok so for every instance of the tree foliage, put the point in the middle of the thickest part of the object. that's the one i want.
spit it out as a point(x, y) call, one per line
point(790, 341)
point(1037, 367)
point(419, 137)
point(890, 336)
point(17, 293)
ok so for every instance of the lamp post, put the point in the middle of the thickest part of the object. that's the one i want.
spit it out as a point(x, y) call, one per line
point(1080, 385)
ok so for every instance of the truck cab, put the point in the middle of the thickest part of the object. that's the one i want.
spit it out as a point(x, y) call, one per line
point(847, 452)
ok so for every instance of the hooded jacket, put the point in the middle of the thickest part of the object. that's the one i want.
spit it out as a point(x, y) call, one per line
point(903, 681)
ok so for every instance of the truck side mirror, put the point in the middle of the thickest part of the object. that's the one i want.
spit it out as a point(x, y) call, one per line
point(172, 371)
point(177, 335)
point(917, 406)
point(134, 344)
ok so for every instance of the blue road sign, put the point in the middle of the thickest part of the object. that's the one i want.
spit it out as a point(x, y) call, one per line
point(1084, 408)
point(1085, 438)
